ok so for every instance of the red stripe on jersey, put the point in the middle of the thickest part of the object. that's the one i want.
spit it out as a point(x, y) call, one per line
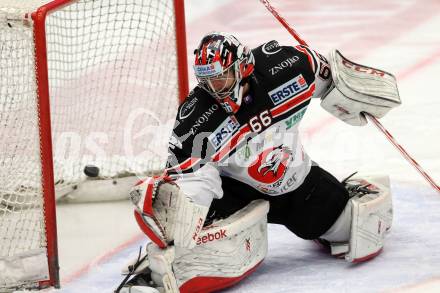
point(188, 163)
point(309, 56)
point(233, 142)
point(293, 102)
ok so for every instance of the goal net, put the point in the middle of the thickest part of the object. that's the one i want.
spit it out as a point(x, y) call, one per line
point(110, 93)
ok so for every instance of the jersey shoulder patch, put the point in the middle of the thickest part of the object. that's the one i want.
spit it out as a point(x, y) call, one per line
point(271, 47)
point(278, 62)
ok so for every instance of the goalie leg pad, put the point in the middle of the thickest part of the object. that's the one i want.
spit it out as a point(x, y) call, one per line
point(227, 251)
point(371, 218)
point(358, 234)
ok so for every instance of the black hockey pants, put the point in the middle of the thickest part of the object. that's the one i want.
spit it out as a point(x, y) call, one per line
point(308, 211)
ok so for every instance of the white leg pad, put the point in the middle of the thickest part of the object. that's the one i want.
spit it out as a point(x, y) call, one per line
point(371, 218)
point(226, 251)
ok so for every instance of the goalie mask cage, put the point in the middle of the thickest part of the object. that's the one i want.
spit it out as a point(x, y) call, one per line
point(81, 82)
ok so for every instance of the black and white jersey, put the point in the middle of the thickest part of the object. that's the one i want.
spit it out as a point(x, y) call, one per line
point(259, 145)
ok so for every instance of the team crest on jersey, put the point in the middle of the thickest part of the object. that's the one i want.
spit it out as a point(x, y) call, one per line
point(271, 165)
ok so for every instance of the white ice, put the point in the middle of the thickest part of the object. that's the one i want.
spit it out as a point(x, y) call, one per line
point(402, 37)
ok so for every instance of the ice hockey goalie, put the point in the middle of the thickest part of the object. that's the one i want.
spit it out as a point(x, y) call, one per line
point(236, 163)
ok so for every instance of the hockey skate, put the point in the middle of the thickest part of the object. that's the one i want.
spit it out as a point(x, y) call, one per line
point(138, 277)
point(141, 283)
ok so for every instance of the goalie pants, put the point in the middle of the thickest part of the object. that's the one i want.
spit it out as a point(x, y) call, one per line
point(308, 211)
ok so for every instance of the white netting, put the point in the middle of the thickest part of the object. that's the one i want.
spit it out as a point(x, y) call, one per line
point(113, 93)
point(17, 9)
point(21, 203)
point(113, 86)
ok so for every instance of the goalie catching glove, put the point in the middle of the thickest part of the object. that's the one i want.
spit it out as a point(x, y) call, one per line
point(359, 89)
point(165, 214)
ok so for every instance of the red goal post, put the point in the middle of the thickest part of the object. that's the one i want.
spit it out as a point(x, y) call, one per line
point(72, 68)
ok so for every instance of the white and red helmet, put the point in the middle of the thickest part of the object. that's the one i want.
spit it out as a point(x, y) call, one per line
point(221, 58)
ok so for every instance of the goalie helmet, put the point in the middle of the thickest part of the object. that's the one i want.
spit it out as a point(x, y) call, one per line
point(222, 65)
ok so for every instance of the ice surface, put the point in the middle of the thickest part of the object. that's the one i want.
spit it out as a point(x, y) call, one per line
point(296, 265)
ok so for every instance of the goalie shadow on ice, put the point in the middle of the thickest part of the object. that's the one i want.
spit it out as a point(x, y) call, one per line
point(207, 214)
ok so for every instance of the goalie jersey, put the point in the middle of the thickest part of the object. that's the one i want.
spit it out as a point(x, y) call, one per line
point(259, 145)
